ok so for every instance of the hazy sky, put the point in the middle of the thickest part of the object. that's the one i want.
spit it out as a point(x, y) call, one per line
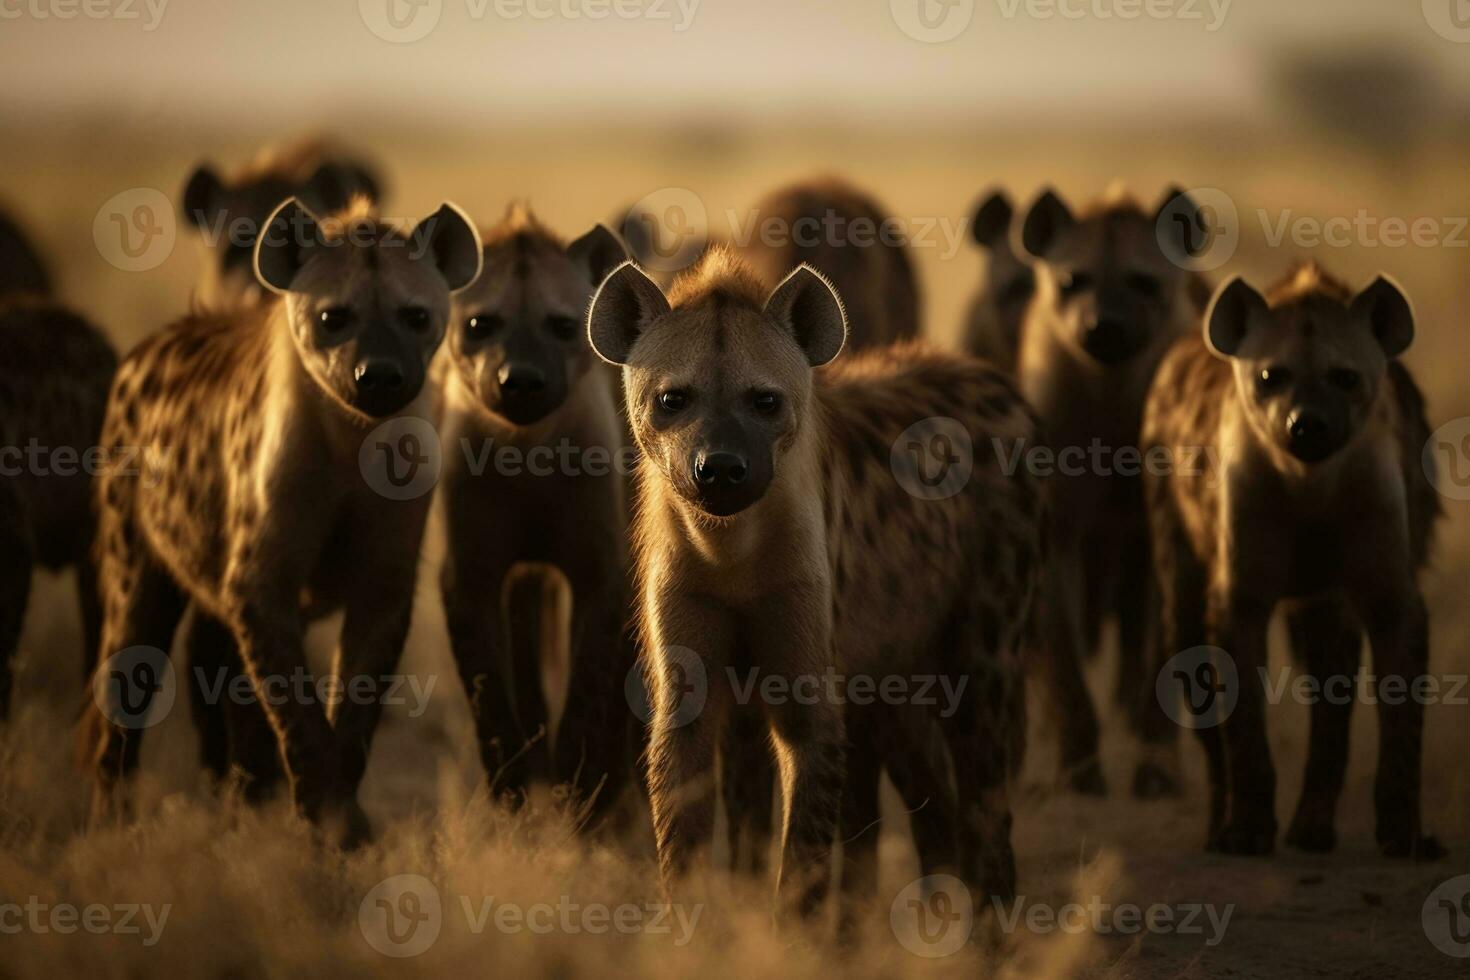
point(486, 59)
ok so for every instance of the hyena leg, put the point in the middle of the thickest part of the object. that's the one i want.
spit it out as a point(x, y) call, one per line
point(1328, 642)
point(1141, 657)
point(15, 589)
point(812, 753)
point(860, 822)
point(978, 734)
point(917, 762)
point(1065, 689)
point(234, 730)
point(374, 632)
point(1238, 626)
point(528, 604)
point(1398, 632)
point(748, 788)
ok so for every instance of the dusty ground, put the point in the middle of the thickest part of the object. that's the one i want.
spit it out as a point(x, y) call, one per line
point(248, 892)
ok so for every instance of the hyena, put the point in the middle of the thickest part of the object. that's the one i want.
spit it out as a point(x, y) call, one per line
point(993, 323)
point(255, 507)
point(1321, 503)
point(55, 371)
point(523, 380)
point(228, 212)
point(22, 270)
point(772, 535)
point(1109, 302)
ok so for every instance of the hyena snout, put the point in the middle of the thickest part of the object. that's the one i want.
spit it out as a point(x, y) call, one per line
point(1114, 333)
point(1312, 434)
point(728, 474)
point(385, 380)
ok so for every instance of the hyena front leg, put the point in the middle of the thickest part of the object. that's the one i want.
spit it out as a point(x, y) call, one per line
point(748, 788)
point(1066, 694)
point(861, 820)
point(1238, 625)
point(235, 733)
point(1327, 642)
point(15, 588)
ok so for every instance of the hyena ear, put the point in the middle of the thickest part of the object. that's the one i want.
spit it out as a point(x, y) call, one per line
point(1386, 310)
point(1229, 315)
point(335, 184)
point(599, 252)
point(450, 238)
point(1179, 225)
point(204, 196)
point(992, 221)
point(284, 245)
point(807, 304)
point(1044, 223)
point(624, 305)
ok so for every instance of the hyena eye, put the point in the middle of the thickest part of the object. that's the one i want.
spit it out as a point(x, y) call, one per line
point(1344, 379)
point(562, 327)
point(482, 325)
point(673, 400)
point(415, 318)
point(1273, 379)
point(766, 402)
point(335, 318)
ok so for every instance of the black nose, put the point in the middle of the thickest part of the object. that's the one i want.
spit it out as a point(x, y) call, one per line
point(521, 380)
point(1309, 435)
point(721, 470)
point(378, 374)
point(1108, 340)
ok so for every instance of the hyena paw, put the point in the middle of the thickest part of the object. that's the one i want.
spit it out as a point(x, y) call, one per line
point(1417, 847)
point(1152, 781)
point(1311, 835)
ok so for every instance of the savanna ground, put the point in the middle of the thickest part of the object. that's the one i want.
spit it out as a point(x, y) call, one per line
point(248, 892)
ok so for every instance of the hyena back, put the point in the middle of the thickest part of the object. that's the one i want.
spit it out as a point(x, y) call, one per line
point(251, 495)
point(772, 536)
point(524, 379)
point(1320, 503)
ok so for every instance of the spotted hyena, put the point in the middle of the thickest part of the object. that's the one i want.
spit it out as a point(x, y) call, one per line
point(1320, 504)
point(775, 540)
point(228, 212)
point(55, 370)
point(993, 323)
point(1109, 302)
point(540, 481)
point(255, 507)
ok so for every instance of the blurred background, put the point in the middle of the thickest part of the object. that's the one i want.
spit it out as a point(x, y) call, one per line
point(1280, 115)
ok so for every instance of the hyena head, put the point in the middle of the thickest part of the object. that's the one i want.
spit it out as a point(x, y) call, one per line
point(229, 213)
point(1108, 287)
point(1009, 279)
point(518, 337)
point(367, 305)
point(717, 375)
point(1310, 358)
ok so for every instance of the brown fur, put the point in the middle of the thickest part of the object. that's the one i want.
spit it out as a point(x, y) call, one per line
point(993, 320)
point(1339, 542)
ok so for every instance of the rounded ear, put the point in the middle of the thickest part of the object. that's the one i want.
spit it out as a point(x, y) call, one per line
point(808, 305)
point(203, 196)
point(599, 252)
point(1228, 318)
point(450, 238)
point(624, 305)
point(1388, 314)
point(1046, 220)
point(992, 221)
point(284, 246)
point(1180, 227)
